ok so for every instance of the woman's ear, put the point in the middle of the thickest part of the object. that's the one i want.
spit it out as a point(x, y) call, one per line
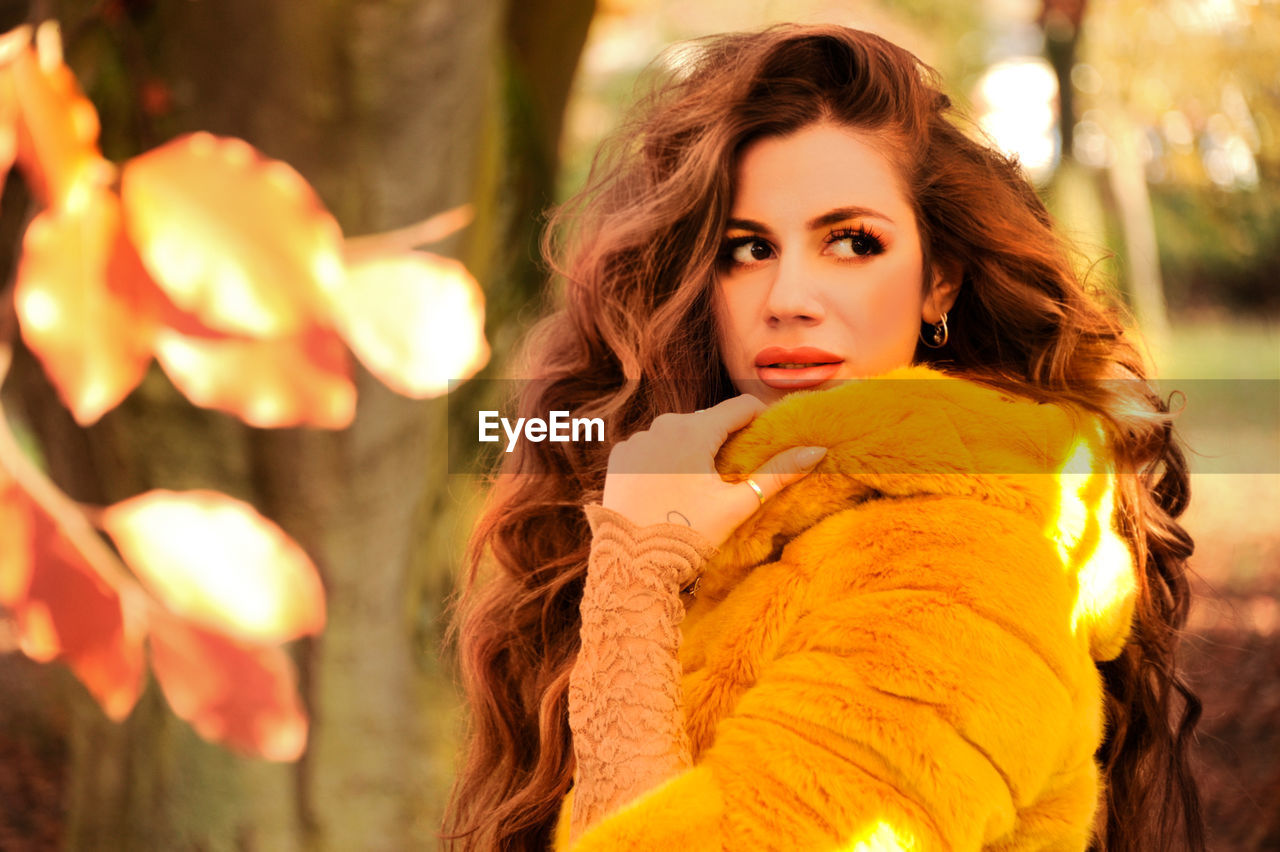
point(942, 293)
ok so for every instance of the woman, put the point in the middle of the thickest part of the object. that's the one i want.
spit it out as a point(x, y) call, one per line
point(937, 609)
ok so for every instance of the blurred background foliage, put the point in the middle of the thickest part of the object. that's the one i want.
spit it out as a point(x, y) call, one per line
point(1152, 128)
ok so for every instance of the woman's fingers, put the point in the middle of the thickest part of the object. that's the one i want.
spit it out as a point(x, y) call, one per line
point(730, 416)
point(668, 471)
point(785, 468)
point(684, 443)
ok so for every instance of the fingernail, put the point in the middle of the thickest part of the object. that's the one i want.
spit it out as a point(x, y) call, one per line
point(809, 456)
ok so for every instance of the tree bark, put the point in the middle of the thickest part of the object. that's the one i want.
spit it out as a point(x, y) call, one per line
point(1127, 179)
point(393, 110)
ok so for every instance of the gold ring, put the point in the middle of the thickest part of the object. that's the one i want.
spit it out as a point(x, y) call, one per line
point(756, 488)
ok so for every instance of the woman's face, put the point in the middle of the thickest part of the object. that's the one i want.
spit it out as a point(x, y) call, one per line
point(820, 276)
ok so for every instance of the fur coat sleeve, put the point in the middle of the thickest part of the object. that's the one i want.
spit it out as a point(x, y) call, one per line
point(899, 651)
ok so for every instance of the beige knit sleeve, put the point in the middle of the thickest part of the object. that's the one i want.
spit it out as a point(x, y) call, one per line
point(624, 691)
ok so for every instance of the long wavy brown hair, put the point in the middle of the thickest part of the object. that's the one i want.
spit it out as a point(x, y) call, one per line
point(635, 252)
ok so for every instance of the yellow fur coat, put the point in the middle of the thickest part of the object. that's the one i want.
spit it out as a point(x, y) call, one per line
point(897, 652)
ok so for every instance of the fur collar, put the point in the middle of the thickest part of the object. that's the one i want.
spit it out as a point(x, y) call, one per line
point(917, 432)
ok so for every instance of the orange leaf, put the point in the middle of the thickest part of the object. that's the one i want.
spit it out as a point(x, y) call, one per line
point(57, 139)
point(218, 562)
point(15, 544)
point(416, 320)
point(12, 44)
point(70, 613)
point(235, 693)
point(240, 241)
point(8, 136)
point(303, 381)
point(83, 304)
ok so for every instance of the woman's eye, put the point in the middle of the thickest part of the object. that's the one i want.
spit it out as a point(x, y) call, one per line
point(859, 243)
point(747, 251)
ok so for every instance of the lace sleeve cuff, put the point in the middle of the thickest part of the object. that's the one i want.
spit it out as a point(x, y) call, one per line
point(677, 551)
point(624, 691)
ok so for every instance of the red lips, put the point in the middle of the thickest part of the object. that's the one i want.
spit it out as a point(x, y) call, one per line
point(805, 367)
point(807, 355)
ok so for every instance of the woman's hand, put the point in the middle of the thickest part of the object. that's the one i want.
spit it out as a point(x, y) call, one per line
point(667, 473)
point(625, 708)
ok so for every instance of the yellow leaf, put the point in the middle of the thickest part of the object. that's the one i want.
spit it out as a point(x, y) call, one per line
point(84, 304)
point(217, 561)
point(415, 319)
point(292, 381)
point(240, 241)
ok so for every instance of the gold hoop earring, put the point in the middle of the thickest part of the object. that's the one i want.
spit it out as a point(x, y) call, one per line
point(940, 334)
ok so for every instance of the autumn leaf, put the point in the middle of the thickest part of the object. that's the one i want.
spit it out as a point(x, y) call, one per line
point(72, 614)
point(12, 44)
point(415, 319)
point(238, 240)
point(216, 561)
point(57, 126)
point(299, 381)
point(240, 694)
point(8, 136)
point(83, 304)
point(16, 556)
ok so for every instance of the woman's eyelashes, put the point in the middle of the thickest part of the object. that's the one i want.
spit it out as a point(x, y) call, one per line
point(854, 242)
point(842, 243)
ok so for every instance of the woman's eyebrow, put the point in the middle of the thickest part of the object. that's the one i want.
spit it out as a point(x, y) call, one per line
point(832, 217)
point(841, 214)
point(747, 225)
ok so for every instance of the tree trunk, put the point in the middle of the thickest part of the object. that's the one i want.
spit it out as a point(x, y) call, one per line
point(1127, 179)
point(393, 110)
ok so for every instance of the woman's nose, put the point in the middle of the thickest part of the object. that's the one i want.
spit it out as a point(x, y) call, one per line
point(793, 295)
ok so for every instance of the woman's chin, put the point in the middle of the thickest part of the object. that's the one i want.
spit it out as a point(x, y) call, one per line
point(770, 392)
